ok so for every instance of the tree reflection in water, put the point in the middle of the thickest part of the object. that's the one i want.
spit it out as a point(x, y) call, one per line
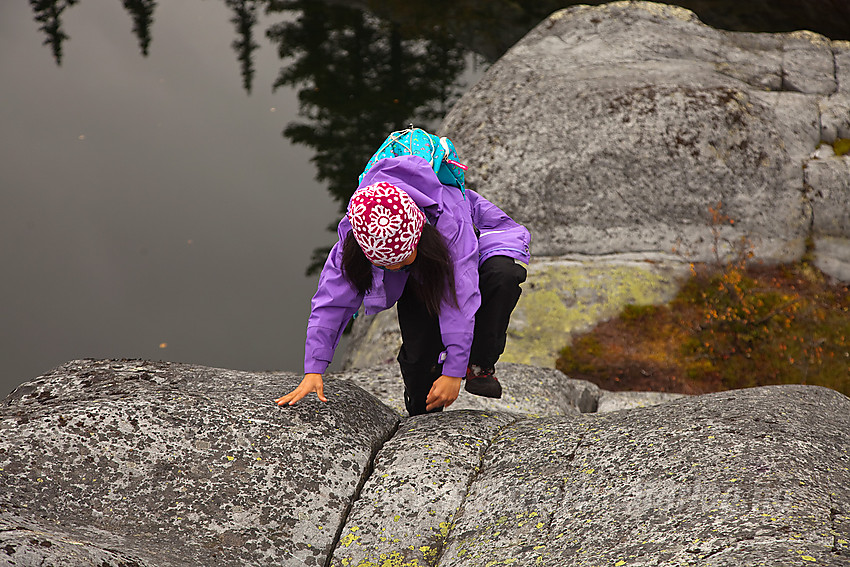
point(360, 76)
point(245, 18)
point(48, 13)
point(142, 13)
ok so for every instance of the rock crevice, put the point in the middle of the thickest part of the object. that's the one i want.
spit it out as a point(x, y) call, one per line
point(368, 470)
point(472, 479)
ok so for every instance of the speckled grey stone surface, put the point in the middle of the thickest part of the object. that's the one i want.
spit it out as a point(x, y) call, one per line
point(374, 340)
point(617, 401)
point(613, 128)
point(132, 463)
point(525, 390)
point(420, 480)
point(140, 463)
point(747, 478)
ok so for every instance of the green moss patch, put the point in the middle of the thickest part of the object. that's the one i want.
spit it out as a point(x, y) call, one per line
point(563, 298)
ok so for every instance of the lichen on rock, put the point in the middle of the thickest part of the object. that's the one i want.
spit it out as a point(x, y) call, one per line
point(173, 464)
point(134, 463)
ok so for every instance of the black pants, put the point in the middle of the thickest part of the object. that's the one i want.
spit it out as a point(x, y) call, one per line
point(498, 279)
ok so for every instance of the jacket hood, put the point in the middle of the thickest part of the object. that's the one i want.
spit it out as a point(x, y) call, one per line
point(411, 174)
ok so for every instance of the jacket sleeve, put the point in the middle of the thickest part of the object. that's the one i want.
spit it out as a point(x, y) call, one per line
point(333, 305)
point(499, 234)
point(457, 322)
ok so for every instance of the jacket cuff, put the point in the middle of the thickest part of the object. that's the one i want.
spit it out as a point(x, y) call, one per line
point(317, 361)
point(457, 359)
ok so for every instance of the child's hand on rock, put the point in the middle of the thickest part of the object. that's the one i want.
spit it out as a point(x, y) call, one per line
point(310, 383)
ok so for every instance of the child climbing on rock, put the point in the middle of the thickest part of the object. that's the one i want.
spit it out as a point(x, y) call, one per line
point(449, 259)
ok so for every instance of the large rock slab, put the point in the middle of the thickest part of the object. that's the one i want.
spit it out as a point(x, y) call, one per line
point(118, 463)
point(743, 478)
point(406, 509)
point(614, 128)
point(131, 463)
point(752, 477)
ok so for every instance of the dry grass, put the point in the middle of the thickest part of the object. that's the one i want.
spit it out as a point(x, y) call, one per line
point(731, 326)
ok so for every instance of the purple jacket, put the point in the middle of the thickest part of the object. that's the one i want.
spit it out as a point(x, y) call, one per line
point(456, 217)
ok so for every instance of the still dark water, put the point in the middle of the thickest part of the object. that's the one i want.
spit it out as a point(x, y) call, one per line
point(150, 206)
point(166, 205)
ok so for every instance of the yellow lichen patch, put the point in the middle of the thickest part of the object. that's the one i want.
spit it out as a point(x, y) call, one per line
point(558, 15)
point(445, 528)
point(562, 298)
point(815, 39)
point(841, 146)
point(348, 539)
point(395, 559)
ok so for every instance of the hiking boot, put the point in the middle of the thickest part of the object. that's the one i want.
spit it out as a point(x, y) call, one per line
point(482, 382)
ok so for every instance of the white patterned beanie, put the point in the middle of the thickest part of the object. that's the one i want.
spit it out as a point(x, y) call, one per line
point(386, 223)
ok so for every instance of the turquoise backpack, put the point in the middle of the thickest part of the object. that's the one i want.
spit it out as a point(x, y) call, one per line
point(439, 152)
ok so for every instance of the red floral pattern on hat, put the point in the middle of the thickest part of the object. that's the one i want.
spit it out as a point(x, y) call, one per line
point(386, 223)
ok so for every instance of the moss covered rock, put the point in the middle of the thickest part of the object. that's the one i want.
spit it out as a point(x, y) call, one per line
point(567, 296)
point(560, 297)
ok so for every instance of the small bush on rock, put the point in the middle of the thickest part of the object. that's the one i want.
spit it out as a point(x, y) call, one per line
point(732, 325)
point(734, 328)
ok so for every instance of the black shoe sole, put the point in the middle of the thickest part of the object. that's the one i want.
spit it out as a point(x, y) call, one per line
point(474, 390)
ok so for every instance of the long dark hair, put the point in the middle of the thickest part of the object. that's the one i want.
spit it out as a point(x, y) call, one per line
point(431, 273)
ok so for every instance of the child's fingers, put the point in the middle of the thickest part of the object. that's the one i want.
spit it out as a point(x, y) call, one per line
point(291, 397)
point(306, 387)
point(283, 399)
point(435, 401)
point(431, 400)
point(443, 392)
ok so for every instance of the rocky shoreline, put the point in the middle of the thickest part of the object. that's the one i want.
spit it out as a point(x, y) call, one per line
point(138, 463)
